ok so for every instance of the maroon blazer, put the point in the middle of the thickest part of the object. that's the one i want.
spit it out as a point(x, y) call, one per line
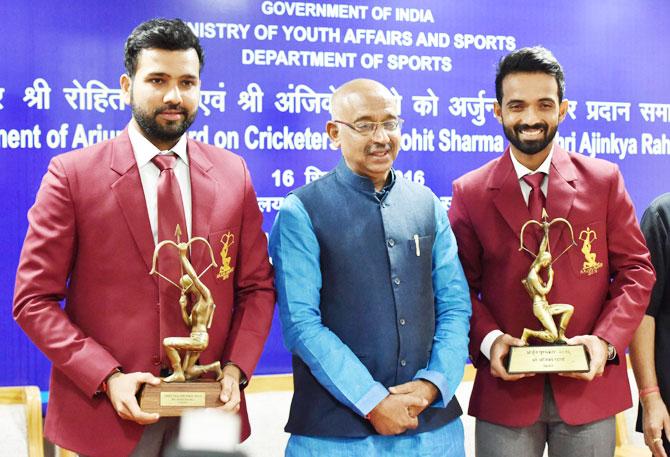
point(487, 213)
point(89, 242)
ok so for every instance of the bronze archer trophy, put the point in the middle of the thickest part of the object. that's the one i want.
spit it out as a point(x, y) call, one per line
point(556, 356)
point(176, 393)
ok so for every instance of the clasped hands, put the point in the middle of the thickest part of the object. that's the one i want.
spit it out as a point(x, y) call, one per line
point(122, 388)
point(400, 410)
point(596, 347)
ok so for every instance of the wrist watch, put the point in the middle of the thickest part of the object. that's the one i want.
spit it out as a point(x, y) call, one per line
point(611, 352)
point(243, 379)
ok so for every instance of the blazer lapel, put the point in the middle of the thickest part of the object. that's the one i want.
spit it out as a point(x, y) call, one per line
point(130, 196)
point(508, 198)
point(560, 198)
point(203, 194)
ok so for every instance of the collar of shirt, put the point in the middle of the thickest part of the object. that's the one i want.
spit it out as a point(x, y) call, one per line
point(390, 181)
point(522, 171)
point(363, 183)
point(144, 150)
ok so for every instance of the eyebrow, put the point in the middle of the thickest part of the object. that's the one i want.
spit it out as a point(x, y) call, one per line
point(518, 100)
point(163, 75)
point(366, 118)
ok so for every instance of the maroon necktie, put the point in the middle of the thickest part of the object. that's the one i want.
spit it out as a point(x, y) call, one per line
point(170, 206)
point(170, 214)
point(536, 197)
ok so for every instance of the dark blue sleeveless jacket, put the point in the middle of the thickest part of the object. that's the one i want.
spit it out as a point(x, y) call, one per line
point(377, 294)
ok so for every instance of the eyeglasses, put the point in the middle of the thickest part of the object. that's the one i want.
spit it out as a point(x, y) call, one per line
point(369, 128)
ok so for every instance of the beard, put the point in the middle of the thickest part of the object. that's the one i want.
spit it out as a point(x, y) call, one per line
point(172, 131)
point(530, 147)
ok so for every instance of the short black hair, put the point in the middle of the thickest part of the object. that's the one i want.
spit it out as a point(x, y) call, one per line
point(530, 60)
point(159, 33)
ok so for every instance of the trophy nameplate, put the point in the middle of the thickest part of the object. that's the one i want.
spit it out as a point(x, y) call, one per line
point(182, 389)
point(172, 399)
point(558, 358)
point(554, 355)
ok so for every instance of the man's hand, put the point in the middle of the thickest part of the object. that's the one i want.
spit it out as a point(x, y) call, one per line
point(121, 390)
point(230, 388)
point(420, 389)
point(597, 349)
point(391, 416)
point(655, 421)
point(499, 350)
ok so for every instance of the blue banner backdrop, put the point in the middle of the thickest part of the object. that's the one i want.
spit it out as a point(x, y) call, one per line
point(270, 68)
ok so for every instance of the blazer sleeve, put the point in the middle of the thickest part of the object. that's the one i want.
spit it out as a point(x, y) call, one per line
point(254, 301)
point(41, 284)
point(470, 254)
point(631, 272)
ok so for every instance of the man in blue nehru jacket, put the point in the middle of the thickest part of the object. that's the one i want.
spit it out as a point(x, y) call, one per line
point(373, 300)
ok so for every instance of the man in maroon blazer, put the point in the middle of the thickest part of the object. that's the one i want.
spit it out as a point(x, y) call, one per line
point(90, 242)
point(607, 277)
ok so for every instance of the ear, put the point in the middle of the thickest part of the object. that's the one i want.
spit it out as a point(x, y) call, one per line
point(563, 110)
point(497, 111)
point(333, 131)
point(126, 84)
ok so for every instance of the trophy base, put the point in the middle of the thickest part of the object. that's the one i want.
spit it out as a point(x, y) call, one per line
point(173, 398)
point(560, 358)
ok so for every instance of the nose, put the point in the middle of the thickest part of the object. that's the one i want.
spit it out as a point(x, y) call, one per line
point(530, 116)
point(172, 96)
point(380, 134)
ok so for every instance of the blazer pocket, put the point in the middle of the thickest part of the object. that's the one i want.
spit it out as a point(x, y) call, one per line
point(421, 246)
point(420, 255)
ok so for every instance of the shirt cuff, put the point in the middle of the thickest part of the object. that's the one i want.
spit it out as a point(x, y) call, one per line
point(371, 399)
point(487, 342)
point(440, 381)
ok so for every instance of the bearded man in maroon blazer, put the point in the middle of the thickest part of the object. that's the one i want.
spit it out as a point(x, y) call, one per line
point(607, 278)
point(92, 232)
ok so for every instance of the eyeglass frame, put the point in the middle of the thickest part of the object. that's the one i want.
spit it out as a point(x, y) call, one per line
point(399, 120)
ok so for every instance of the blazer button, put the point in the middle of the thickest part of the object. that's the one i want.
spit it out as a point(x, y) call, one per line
point(403, 362)
point(396, 281)
point(402, 321)
point(391, 242)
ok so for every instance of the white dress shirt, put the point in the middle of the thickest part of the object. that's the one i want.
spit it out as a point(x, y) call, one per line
point(521, 171)
point(144, 151)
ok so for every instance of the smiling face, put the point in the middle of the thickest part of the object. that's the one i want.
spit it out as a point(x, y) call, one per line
point(164, 94)
point(369, 155)
point(530, 114)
